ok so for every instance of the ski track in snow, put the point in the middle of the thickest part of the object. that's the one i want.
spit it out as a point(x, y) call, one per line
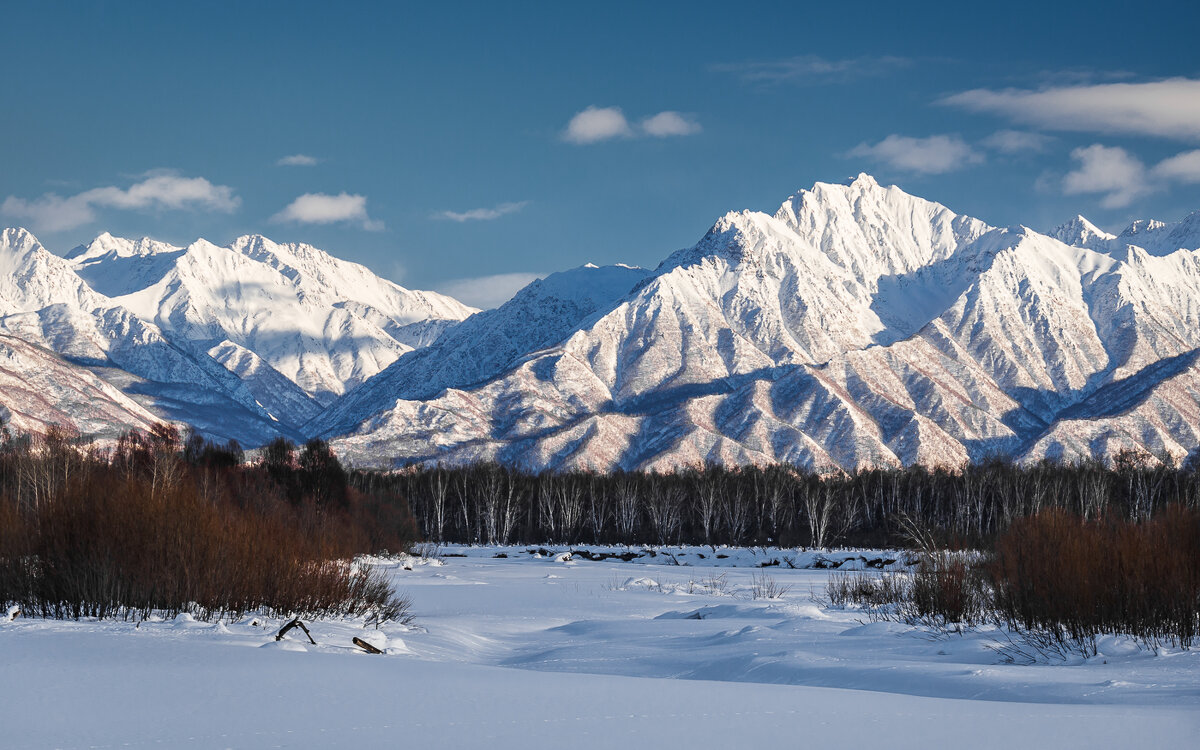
point(533, 651)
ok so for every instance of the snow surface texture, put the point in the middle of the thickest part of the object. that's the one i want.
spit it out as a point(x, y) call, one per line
point(547, 651)
point(857, 326)
point(246, 341)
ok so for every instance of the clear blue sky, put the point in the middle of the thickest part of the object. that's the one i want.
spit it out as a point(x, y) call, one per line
point(449, 126)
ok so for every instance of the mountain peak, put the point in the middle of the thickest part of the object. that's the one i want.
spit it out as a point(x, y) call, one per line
point(1142, 226)
point(16, 244)
point(17, 236)
point(1081, 233)
point(106, 245)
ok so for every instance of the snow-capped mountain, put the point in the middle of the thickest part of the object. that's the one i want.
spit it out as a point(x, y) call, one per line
point(857, 325)
point(482, 346)
point(325, 324)
point(245, 341)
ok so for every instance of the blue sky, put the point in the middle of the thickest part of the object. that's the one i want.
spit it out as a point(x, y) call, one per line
point(490, 141)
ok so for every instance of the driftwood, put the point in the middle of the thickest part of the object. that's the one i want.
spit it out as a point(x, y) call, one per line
point(366, 646)
point(295, 623)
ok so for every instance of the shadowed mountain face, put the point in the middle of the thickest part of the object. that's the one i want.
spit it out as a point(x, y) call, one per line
point(857, 325)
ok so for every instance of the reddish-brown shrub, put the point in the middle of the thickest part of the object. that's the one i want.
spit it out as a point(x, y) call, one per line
point(1074, 579)
point(946, 589)
point(143, 531)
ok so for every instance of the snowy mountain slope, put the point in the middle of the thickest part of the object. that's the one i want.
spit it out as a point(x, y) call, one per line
point(1150, 413)
point(44, 302)
point(856, 326)
point(168, 334)
point(323, 324)
point(480, 347)
point(32, 278)
point(39, 389)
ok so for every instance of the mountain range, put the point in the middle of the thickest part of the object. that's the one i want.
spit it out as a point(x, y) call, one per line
point(248, 341)
point(855, 326)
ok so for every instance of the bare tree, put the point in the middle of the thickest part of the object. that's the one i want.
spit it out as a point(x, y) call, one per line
point(625, 507)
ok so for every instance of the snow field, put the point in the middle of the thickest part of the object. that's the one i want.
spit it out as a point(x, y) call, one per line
point(536, 649)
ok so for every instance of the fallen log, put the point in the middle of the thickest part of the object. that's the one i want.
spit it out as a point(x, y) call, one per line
point(366, 646)
point(295, 623)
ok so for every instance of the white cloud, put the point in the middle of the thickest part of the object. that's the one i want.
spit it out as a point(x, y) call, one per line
point(482, 214)
point(936, 154)
point(1183, 167)
point(1169, 108)
point(596, 124)
point(319, 208)
point(297, 160)
point(1113, 171)
point(1016, 141)
point(1122, 178)
point(52, 212)
point(666, 124)
point(486, 292)
point(810, 69)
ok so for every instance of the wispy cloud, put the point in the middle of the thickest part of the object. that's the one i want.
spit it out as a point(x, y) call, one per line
point(297, 160)
point(319, 208)
point(596, 124)
point(486, 292)
point(936, 154)
point(811, 69)
point(1169, 108)
point(1017, 141)
point(158, 191)
point(482, 214)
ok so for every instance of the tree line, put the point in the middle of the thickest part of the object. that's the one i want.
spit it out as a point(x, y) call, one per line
point(776, 505)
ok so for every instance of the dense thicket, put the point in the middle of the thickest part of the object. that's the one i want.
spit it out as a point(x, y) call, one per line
point(1056, 580)
point(1072, 580)
point(779, 504)
point(160, 524)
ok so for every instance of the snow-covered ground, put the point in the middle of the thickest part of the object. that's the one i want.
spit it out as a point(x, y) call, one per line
point(534, 650)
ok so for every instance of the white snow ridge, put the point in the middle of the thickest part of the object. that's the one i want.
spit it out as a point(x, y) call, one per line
point(856, 326)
